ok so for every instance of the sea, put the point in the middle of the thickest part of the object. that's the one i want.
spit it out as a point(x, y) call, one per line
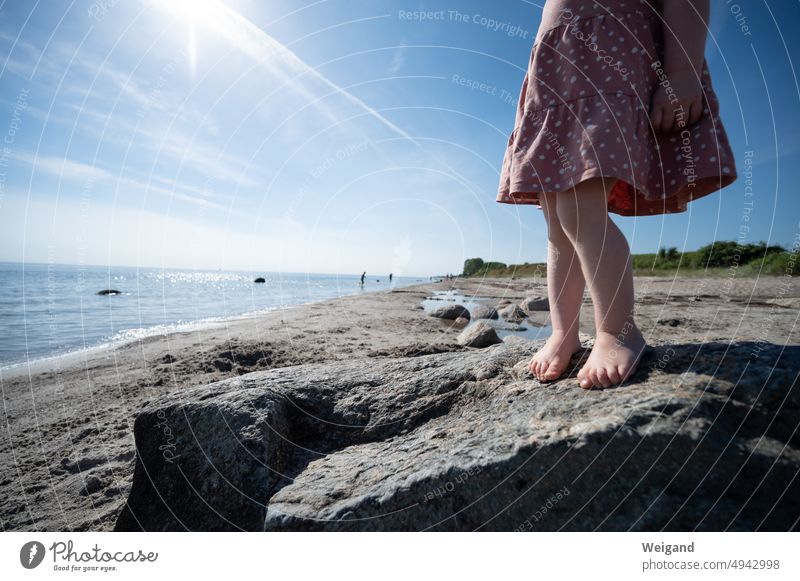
point(48, 310)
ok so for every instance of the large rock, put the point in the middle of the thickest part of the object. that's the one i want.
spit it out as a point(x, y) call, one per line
point(450, 311)
point(536, 303)
point(704, 437)
point(483, 312)
point(479, 334)
point(513, 314)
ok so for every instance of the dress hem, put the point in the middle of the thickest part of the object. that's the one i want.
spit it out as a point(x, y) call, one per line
point(675, 203)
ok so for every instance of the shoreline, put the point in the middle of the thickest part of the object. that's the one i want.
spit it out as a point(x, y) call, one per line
point(39, 364)
point(69, 450)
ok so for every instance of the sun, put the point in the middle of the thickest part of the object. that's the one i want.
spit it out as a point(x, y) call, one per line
point(199, 17)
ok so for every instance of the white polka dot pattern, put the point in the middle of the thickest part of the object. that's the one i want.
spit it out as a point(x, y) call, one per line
point(583, 112)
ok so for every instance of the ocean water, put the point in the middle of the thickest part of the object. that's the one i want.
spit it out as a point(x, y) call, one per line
point(48, 310)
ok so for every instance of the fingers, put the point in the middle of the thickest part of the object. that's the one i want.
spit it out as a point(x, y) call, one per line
point(668, 122)
point(656, 116)
point(662, 118)
point(666, 117)
point(695, 111)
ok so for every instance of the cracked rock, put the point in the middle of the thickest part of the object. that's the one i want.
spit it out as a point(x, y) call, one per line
point(469, 441)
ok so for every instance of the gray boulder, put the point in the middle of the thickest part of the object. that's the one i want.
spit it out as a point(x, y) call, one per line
point(513, 314)
point(479, 334)
point(483, 312)
point(703, 437)
point(450, 311)
point(535, 303)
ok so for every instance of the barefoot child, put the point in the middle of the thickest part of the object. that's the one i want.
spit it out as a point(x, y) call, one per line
point(616, 114)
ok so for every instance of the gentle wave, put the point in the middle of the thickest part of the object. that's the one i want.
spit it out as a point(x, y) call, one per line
point(53, 310)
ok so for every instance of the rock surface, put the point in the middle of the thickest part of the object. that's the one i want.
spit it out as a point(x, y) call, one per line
point(478, 334)
point(450, 311)
point(483, 312)
point(703, 437)
point(513, 314)
point(536, 303)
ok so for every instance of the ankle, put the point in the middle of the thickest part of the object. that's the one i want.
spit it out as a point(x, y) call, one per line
point(622, 335)
point(621, 326)
point(565, 334)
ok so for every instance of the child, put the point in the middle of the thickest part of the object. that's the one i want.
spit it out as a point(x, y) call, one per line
point(616, 114)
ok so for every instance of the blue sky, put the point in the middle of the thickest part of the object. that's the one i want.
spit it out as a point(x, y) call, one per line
point(329, 136)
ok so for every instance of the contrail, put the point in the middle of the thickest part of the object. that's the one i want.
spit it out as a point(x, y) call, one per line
point(259, 45)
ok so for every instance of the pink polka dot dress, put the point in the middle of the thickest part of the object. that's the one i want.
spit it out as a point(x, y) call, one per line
point(583, 112)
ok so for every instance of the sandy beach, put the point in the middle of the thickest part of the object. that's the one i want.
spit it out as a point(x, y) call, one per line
point(67, 446)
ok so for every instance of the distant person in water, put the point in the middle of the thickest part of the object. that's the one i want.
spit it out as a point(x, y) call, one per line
point(363, 276)
point(390, 277)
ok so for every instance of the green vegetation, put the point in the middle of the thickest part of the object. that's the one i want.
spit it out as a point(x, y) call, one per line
point(717, 259)
point(477, 267)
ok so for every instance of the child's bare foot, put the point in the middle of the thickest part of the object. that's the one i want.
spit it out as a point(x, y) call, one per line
point(613, 358)
point(550, 362)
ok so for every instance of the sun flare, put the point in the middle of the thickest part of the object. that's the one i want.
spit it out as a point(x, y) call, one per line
point(199, 17)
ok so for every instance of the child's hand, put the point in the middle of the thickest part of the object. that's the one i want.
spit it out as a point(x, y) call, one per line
point(678, 104)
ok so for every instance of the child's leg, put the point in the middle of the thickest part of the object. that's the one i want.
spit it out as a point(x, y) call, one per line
point(565, 286)
point(606, 262)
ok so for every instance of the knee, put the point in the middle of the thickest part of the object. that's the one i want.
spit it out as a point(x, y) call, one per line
point(554, 231)
point(574, 215)
point(582, 209)
point(568, 213)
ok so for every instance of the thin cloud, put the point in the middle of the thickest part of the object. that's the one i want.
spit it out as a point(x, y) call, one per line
point(78, 172)
point(398, 59)
point(65, 169)
point(260, 46)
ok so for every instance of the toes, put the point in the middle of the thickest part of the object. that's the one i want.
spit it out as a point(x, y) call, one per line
point(613, 375)
point(552, 370)
point(602, 377)
point(624, 372)
point(583, 378)
point(593, 376)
